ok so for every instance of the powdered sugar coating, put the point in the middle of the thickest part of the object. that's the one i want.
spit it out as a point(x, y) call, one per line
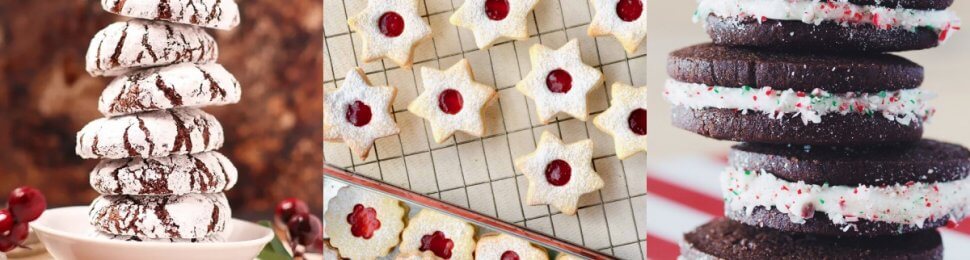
point(123, 46)
point(376, 45)
point(215, 238)
point(217, 14)
point(584, 79)
point(475, 96)
point(584, 179)
point(357, 87)
point(152, 134)
point(471, 15)
point(615, 120)
point(208, 172)
point(181, 85)
point(389, 212)
point(182, 217)
point(493, 246)
point(606, 22)
point(427, 221)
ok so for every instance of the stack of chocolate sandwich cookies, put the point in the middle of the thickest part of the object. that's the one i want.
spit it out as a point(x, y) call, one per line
point(833, 163)
point(160, 178)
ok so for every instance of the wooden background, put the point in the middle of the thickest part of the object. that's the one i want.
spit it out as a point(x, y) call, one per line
point(274, 135)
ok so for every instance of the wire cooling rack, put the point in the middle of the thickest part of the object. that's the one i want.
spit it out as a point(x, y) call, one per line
point(477, 173)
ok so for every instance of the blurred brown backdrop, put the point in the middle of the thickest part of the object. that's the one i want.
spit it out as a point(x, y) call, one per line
point(273, 135)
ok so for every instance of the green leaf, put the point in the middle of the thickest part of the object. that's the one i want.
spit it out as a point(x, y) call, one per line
point(274, 250)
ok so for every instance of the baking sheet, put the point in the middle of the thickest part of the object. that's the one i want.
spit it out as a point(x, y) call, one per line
point(478, 173)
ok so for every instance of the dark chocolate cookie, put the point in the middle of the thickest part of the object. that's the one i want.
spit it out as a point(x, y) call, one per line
point(207, 172)
point(826, 36)
point(908, 4)
point(724, 66)
point(925, 160)
point(726, 239)
point(161, 217)
point(834, 129)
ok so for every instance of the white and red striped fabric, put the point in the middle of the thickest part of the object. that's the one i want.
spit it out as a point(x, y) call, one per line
point(683, 193)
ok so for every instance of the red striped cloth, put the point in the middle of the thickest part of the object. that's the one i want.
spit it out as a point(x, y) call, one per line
point(683, 193)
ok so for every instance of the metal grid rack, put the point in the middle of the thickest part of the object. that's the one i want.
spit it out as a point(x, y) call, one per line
point(478, 173)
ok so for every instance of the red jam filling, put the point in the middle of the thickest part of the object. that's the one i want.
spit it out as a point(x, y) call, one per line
point(358, 114)
point(450, 101)
point(558, 172)
point(391, 24)
point(629, 10)
point(559, 81)
point(438, 244)
point(496, 9)
point(363, 221)
point(638, 121)
point(510, 255)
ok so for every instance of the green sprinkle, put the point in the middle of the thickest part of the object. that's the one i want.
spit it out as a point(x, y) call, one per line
point(882, 93)
point(821, 201)
point(747, 172)
point(745, 88)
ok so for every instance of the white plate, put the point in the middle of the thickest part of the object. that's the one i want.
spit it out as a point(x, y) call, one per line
point(67, 235)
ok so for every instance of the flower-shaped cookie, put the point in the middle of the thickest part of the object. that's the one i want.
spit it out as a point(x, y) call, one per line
point(445, 236)
point(558, 173)
point(490, 20)
point(362, 224)
point(358, 113)
point(502, 246)
point(390, 29)
point(626, 20)
point(626, 119)
point(559, 81)
point(452, 101)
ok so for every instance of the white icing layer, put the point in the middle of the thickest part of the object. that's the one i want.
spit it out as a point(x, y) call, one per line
point(903, 106)
point(911, 204)
point(838, 11)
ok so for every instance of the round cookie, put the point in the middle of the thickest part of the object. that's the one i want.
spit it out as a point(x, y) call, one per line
point(502, 246)
point(217, 238)
point(208, 172)
point(152, 134)
point(362, 224)
point(447, 237)
point(135, 44)
point(857, 191)
point(726, 239)
point(772, 97)
point(181, 217)
point(216, 14)
point(181, 85)
point(831, 26)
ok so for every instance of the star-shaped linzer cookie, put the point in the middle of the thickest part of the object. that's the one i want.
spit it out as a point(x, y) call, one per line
point(390, 29)
point(559, 81)
point(452, 101)
point(626, 20)
point(490, 20)
point(358, 113)
point(559, 174)
point(626, 120)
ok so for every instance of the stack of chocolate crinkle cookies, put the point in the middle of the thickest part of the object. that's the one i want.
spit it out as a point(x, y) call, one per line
point(160, 176)
point(833, 164)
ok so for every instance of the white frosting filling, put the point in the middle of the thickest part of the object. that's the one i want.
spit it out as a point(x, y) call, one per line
point(903, 106)
point(838, 11)
point(911, 203)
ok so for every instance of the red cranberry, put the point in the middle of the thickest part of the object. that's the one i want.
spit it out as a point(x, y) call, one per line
point(391, 24)
point(290, 207)
point(26, 204)
point(558, 172)
point(438, 244)
point(16, 236)
point(358, 114)
point(450, 101)
point(363, 221)
point(6, 221)
point(638, 121)
point(304, 228)
point(559, 81)
point(510, 255)
point(6, 246)
point(496, 9)
point(629, 10)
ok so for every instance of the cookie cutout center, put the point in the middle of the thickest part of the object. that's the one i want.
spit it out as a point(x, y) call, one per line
point(358, 114)
point(559, 81)
point(558, 172)
point(363, 221)
point(638, 121)
point(391, 24)
point(496, 10)
point(510, 255)
point(629, 10)
point(438, 244)
point(450, 101)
